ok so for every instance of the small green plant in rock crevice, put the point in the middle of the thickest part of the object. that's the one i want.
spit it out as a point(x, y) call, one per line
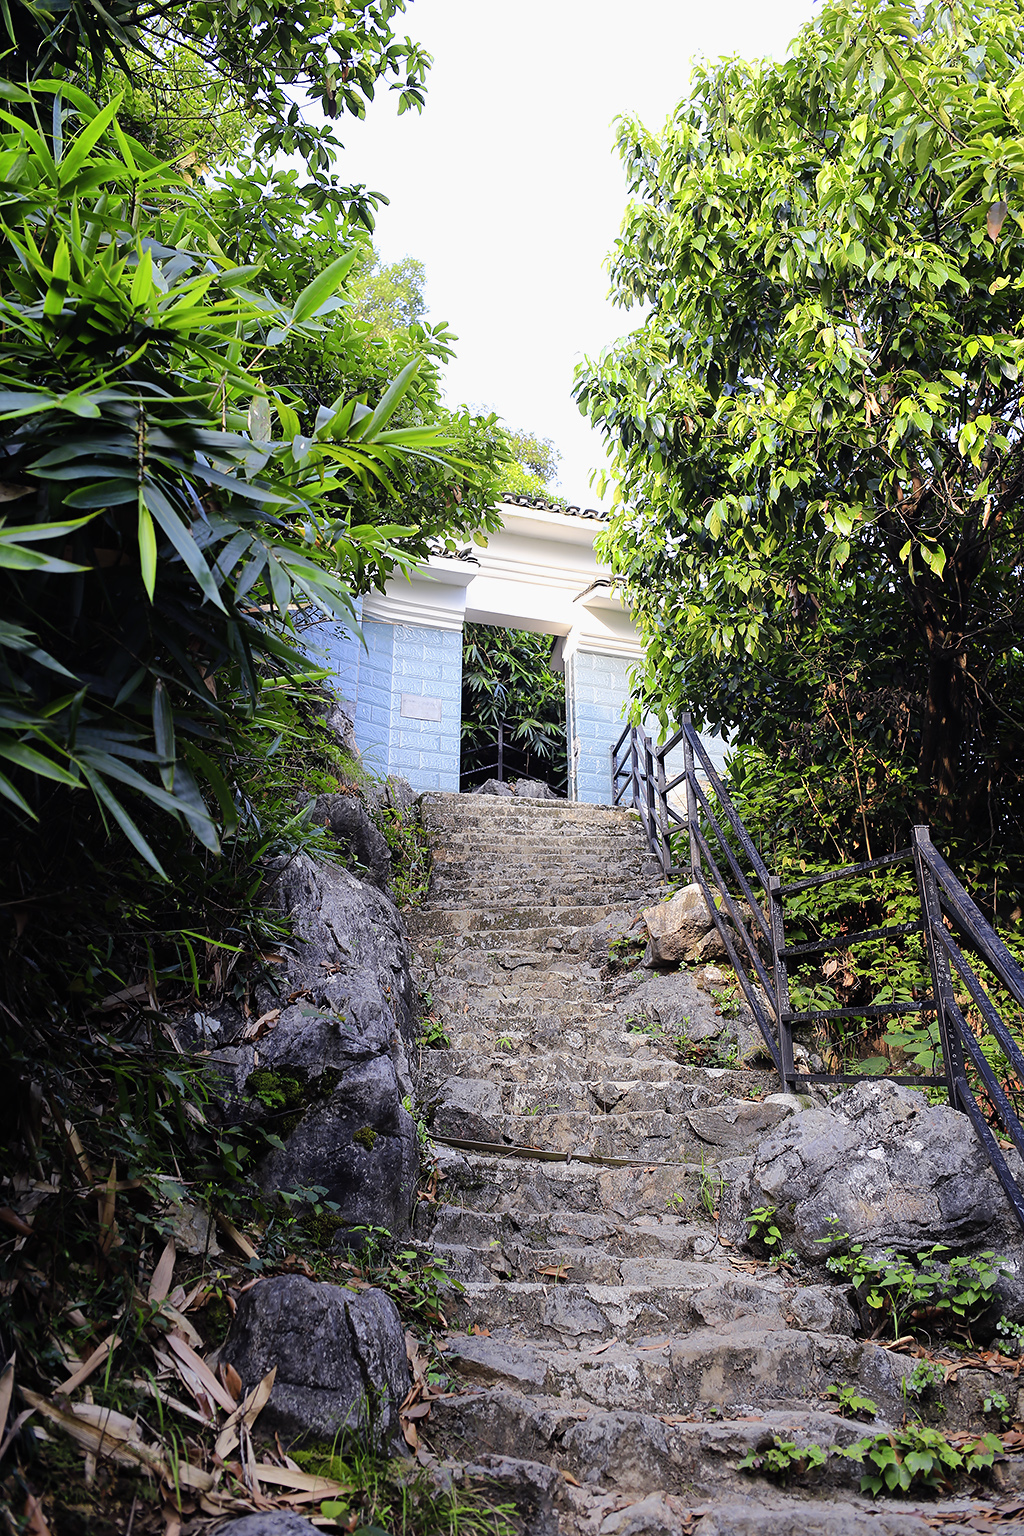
point(384, 1497)
point(782, 1460)
point(762, 1232)
point(904, 1460)
point(288, 1092)
point(901, 1461)
point(711, 1186)
point(850, 1405)
point(927, 1293)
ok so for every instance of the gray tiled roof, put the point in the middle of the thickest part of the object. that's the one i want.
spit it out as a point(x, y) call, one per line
point(543, 505)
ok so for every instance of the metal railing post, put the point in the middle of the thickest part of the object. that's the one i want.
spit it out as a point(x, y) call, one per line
point(635, 776)
point(501, 750)
point(938, 961)
point(691, 799)
point(780, 976)
point(651, 796)
point(664, 824)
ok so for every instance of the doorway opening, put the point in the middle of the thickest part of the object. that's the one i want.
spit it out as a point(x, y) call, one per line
point(513, 708)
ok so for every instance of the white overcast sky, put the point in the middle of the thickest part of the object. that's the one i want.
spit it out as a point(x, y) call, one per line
point(508, 188)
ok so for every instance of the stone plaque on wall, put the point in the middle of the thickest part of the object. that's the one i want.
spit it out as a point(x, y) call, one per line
point(416, 707)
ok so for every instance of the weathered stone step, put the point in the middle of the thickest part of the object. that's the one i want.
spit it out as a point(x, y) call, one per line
point(444, 921)
point(712, 1133)
point(667, 1235)
point(451, 805)
point(529, 887)
point(594, 1098)
point(584, 1067)
point(737, 1365)
point(619, 1454)
point(657, 1297)
point(519, 1184)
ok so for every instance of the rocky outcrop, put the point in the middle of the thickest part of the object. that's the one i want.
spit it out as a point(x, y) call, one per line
point(348, 822)
point(881, 1164)
point(523, 789)
point(329, 1076)
point(340, 1357)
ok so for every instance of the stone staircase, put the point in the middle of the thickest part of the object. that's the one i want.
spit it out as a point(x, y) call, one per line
point(612, 1357)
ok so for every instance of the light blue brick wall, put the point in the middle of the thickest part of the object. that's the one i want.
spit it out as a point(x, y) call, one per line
point(373, 698)
point(597, 696)
point(335, 646)
point(428, 665)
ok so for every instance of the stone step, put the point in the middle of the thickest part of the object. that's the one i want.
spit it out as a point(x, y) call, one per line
point(488, 1182)
point(624, 1455)
point(667, 1235)
point(500, 919)
point(530, 887)
point(739, 1365)
point(594, 1098)
point(713, 1133)
point(656, 1298)
point(586, 1068)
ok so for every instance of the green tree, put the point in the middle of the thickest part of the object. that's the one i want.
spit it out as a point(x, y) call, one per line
point(263, 59)
point(817, 427)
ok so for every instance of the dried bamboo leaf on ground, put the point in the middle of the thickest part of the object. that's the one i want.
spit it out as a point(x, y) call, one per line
point(187, 1355)
point(94, 1361)
point(246, 1414)
point(127, 1452)
point(163, 1274)
point(6, 1391)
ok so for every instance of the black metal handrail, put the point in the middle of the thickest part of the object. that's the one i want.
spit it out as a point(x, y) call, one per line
point(753, 931)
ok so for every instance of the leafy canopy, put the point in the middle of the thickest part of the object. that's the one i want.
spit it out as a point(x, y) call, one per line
point(817, 427)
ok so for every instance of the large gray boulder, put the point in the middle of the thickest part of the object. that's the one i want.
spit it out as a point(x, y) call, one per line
point(681, 1011)
point(677, 926)
point(534, 789)
point(493, 787)
point(340, 1357)
point(350, 824)
point(880, 1163)
point(271, 1522)
point(329, 1076)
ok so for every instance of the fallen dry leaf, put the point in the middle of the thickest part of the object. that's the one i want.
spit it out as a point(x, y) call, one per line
point(37, 1525)
point(160, 1283)
point(188, 1356)
point(480, 1333)
point(231, 1379)
point(93, 1362)
point(6, 1391)
point(554, 1271)
point(602, 1347)
point(662, 1345)
point(302, 1482)
point(246, 1415)
point(569, 1478)
point(233, 1235)
point(107, 1203)
point(257, 1028)
point(13, 1220)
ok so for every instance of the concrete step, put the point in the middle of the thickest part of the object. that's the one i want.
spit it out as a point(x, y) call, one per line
point(514, 1069)
point(594, 1098)
point(668, 1235)
point(498, 1184)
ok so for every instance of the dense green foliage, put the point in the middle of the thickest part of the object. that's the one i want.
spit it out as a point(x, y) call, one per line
point(817, 426)
point(507, 680)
